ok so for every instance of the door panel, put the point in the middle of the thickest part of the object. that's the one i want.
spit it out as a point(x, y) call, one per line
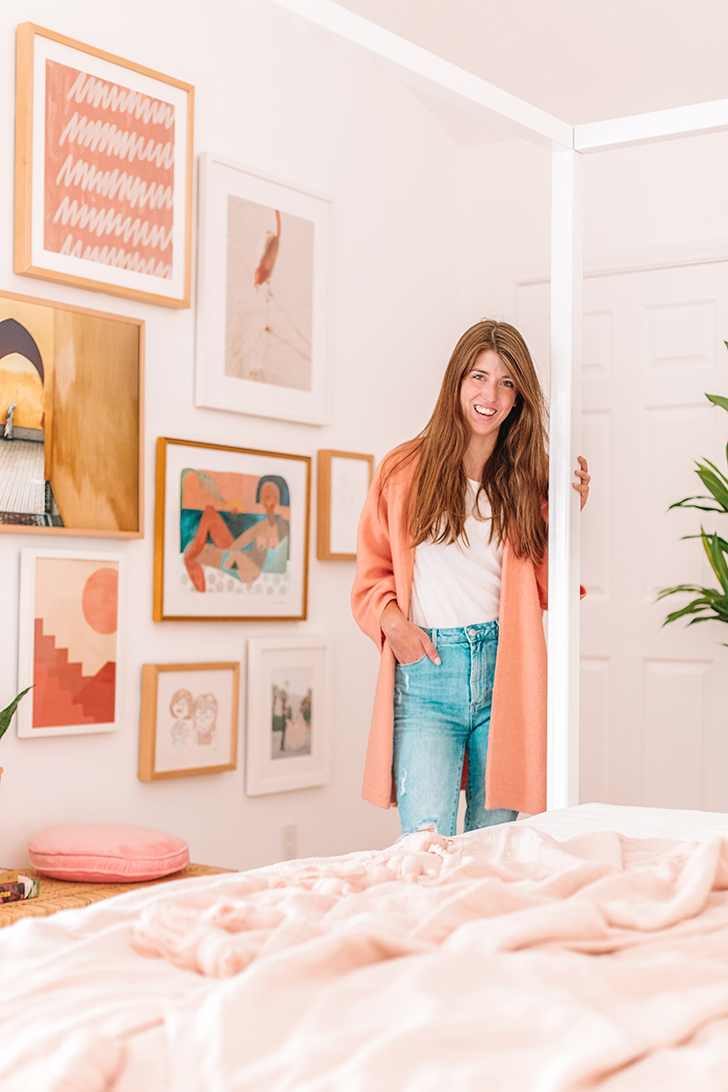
point(654, 700)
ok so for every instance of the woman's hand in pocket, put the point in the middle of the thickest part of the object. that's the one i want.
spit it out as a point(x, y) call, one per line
point(407, 641)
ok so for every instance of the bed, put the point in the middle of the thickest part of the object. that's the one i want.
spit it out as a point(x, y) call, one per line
point(580, 949)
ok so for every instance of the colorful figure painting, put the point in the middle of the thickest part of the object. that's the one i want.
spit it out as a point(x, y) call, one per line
point(69, 623)
point(235, 525)
point(231, 533)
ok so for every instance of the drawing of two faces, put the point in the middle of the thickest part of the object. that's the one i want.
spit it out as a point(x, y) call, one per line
point(196, 717)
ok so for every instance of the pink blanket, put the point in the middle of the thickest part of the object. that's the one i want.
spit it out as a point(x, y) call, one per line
point(501, 960)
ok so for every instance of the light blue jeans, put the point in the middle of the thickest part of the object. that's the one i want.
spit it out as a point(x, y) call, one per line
point(440, 712)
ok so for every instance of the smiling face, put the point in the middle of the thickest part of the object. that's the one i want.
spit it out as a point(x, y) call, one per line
point(487, 396)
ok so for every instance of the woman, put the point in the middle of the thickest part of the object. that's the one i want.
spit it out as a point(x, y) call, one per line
point(451, 582)
point(269, 539)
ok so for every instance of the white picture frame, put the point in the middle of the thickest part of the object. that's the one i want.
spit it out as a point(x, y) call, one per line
point(68, 642)
point(285, 673)
point(262, 321)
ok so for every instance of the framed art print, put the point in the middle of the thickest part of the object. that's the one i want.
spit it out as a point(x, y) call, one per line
point(68, 642)
point(71, 420)
point(189, 719)
point(103, 171)
point(343, 483)
point(288, 742)
point(262, 287)
point(231, 533)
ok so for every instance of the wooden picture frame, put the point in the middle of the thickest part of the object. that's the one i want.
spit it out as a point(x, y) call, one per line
point(289, 731)
point(209, 562)
point(262, 294)
point(69, 641)
point(344, 478)
point(117, 217)
point(72, 400)
point(189, 720)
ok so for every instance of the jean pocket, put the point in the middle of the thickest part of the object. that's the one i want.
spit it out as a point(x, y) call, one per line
point(414, 662)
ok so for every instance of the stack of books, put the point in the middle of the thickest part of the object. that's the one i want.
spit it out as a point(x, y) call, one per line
point(14, 887)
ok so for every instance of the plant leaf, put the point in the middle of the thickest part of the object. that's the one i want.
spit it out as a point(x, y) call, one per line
point(686, 503)
point(714, 484)
point(6, 714)
point(718, 399)
point(720, 568)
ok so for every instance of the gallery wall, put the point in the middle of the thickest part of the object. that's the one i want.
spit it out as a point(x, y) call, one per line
point(287, 104)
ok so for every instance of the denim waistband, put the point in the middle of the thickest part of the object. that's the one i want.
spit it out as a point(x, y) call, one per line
point(463, 635)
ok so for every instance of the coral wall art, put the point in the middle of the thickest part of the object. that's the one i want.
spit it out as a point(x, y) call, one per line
point(68, 647)
point(103, 171)
point(231, 533)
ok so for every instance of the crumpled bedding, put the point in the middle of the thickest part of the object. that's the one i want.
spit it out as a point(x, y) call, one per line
point(498, 960)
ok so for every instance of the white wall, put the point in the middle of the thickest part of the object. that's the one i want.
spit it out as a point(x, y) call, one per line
point(635, 200)
point(283, 102)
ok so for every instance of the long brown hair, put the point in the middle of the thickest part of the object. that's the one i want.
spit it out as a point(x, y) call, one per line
point(515, 477)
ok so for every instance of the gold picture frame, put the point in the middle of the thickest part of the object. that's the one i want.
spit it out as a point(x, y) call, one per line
point(231, 533)
point(71, 420)
point(344, 478)
point(103, 171)
point(189, 719)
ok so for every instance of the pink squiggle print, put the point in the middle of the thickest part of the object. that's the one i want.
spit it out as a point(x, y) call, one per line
point(113, 184)
point(102, 137)
point(110, 222)
point(120, 258)
point(97, 93)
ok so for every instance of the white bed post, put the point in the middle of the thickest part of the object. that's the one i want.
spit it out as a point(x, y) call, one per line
point(565, 438)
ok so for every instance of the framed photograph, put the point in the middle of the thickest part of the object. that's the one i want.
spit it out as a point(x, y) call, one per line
point(231, 533)
point(289, 743)
point(262, 286)
point(103, 171)
point(71, 420)
point(343, 483)
point(68, 642)
point(189, 720)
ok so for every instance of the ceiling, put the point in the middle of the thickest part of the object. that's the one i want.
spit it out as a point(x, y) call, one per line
point(581, 60)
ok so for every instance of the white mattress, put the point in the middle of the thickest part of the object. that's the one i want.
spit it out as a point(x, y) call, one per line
point(633, 822)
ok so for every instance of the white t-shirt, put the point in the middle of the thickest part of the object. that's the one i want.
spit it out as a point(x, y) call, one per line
point(458, 585)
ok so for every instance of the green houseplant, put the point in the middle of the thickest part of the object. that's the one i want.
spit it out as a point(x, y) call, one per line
point(709, 603)
point(6, 714)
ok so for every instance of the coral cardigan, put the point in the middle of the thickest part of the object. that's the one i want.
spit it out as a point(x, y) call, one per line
point(516, 764)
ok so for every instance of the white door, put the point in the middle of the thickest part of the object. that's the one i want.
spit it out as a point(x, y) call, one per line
point(654, 701)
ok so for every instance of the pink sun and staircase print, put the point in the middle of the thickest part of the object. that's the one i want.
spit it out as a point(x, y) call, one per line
point(74, 648)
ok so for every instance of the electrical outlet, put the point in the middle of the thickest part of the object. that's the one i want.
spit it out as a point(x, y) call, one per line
point(289, 841)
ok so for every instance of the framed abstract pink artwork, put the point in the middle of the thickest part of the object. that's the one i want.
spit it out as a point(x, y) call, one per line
point(68, 642)
point(103, 183)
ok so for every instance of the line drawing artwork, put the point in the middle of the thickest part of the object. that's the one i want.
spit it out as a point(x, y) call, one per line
point(269, 307)
point(109, 173)
point(194, 719)
point(235, 533)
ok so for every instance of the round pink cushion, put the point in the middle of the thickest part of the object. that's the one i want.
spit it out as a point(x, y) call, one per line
point(106, 853)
